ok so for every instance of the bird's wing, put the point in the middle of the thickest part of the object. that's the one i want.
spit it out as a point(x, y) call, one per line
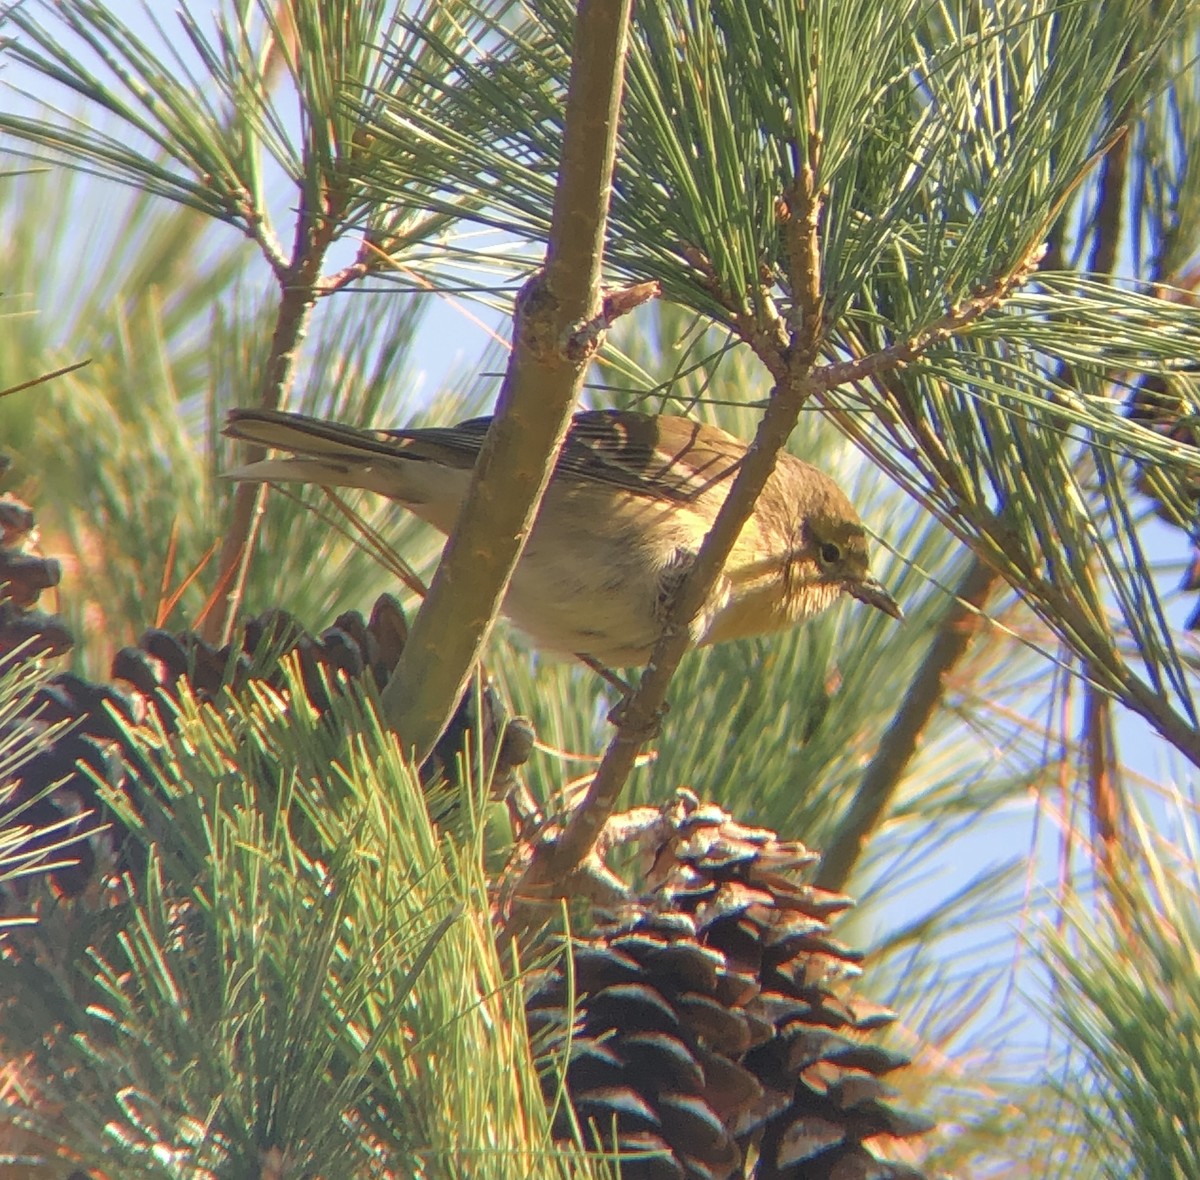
point(664, 457)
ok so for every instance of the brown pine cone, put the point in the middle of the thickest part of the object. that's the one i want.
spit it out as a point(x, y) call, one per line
point(713, 1033)
point(24, 574)
point(151, 678)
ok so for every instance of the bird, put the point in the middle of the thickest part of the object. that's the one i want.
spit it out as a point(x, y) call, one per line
point(631, 499)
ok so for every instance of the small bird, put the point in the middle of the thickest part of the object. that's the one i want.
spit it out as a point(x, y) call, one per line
point(630, 501)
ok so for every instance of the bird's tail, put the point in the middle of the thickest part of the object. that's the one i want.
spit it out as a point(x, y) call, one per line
point(303, 435)
point(322, 452)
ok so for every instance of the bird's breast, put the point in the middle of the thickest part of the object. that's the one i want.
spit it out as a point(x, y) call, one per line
point(761, 593)
point(593, 574)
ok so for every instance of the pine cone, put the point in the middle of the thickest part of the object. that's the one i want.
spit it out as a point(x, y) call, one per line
point(713, 1036)
point(351, 649)
point(25, 634)
point(23, 576)
point(152, 676)
point(1160, 403)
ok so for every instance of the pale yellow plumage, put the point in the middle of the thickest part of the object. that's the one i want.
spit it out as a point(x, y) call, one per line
point(630, 501)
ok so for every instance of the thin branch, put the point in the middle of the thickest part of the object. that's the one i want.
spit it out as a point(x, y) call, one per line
point(259, 230)
point(1103, 775)
point(299, 283)
point(536, 401)
point(1110, 206)
point(800, 214)
point(903, 352)
point(766, 334)
point(586, 340)
point(960, 624)
point(1103, 778)
point(369, 259)
point(38, 380)
point(796, 382)
point(640, 719)
point(554, 863)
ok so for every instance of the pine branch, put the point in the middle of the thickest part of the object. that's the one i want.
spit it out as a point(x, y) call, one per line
point(299, 287)
point(1105, 795)
point(1110, 206)
point(61, 371)
point(641, 714)
point(904, 352)
point(545, 374)
point(554, 864)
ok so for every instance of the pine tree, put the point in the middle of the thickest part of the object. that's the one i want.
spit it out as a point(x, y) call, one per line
point(954, 243)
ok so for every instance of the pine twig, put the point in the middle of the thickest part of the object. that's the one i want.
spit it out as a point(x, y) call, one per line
point(299, 289)
point(796, 381)
point(42, 377)
point(1110, 206)
point(906, 351)
point(1103, 778)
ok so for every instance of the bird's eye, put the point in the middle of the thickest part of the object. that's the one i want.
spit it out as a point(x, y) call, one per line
point(830, 553)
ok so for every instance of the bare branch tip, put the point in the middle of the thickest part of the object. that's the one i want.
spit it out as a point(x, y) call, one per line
point(625, 299)
point(585, 341)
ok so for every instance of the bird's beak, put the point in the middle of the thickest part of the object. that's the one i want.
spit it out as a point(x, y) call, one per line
point(874, 593)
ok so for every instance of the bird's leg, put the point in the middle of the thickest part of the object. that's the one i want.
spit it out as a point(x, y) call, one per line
point(607, 674)
point(617, 712)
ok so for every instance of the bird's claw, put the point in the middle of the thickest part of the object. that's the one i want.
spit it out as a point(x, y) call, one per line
point(620, 711)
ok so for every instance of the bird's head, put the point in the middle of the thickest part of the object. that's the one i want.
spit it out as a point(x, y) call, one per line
point(838, 545)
